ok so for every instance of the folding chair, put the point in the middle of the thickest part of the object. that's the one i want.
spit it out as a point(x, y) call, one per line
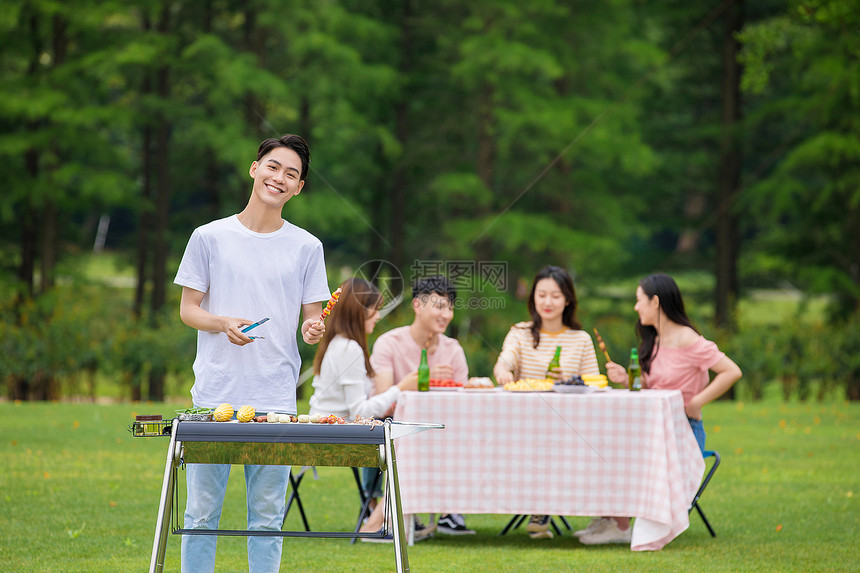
point(365, 498)
point(695, 505)
point(518, 520)
point(294, 496)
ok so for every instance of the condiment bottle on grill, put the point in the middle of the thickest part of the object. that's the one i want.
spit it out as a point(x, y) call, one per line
point(423, 372)
point(555, 363)
point(634, 371)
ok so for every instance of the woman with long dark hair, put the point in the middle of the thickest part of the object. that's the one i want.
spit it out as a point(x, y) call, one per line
point(343, 376)
point(673, 355)
point(529, 347)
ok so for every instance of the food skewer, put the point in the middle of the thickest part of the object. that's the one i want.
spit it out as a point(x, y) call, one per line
point(332, 301)
point(602, 345)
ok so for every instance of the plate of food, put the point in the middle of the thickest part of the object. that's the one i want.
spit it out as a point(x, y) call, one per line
point(581, 384)
point(574, 389)
point(479, 384)
point(444, 384)
point(530, 385)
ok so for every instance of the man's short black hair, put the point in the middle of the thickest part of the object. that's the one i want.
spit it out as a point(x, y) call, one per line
point(436, 284)
point(290, 141)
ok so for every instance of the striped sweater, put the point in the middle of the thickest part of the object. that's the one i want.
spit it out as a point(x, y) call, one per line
point(526, 361)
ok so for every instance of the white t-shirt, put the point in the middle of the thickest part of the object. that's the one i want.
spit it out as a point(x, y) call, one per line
point(343, 387)
point(252, 275)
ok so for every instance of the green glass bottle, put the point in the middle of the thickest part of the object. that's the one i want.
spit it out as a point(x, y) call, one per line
point(634, 372)
point(555, 363)
point(423, 372)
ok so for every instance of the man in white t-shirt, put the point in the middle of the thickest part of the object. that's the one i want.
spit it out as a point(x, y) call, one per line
point(236, 271)
point(397, 353)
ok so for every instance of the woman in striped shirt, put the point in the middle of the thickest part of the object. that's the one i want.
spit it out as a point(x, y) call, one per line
point(529, 346)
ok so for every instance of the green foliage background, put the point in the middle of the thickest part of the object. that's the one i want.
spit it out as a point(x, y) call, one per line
point(578, 133)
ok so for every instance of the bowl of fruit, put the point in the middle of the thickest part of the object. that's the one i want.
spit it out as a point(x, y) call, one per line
point(573, 385)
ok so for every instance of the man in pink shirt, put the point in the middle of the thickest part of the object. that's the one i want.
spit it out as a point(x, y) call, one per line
point(398, 352)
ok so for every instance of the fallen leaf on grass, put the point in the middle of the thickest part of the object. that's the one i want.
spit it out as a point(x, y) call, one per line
point(779, 527)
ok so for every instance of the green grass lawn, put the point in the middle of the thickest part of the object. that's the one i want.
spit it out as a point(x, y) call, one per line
point(79, 494)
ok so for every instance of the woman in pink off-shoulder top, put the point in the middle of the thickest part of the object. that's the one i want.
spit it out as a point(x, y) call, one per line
point(674, 356)
point(672, 352)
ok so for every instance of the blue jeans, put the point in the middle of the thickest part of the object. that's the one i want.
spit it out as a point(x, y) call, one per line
point(698, 431)
point(367, 477)
point(266, 491)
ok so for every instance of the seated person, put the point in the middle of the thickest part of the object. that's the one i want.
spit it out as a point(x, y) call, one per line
point(529, 347)
point(343, 377)
point(398, 352)
point(673, 355)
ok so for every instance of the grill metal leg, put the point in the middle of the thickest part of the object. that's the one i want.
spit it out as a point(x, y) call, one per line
point(165, 506)
point(400, 541)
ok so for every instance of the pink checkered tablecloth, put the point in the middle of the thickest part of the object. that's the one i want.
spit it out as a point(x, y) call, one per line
point(612, 453)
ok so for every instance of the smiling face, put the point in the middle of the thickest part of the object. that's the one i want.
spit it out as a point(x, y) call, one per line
point(277, 177)
point(647, 307)
point(549, 300)
point(434, 312)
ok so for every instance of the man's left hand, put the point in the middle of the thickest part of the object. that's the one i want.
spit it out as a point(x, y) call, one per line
point(313, 330)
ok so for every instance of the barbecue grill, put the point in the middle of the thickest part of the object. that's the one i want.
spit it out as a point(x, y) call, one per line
point(344, 445)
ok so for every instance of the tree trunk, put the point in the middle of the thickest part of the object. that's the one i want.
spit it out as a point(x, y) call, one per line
point(162, 210)
point(399, 179)
point(486, 142)
point(145, 216)
point(145, 220)
point(59, 43)
point(730, 171)
point(48, 260)
point(29, 232)
point(27, 217)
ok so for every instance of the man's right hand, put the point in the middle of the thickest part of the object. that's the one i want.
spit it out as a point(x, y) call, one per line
point(194, 315)
point(442, 372)
point(233, 328)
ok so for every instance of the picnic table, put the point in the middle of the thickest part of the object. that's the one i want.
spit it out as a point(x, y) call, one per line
point(607, 453)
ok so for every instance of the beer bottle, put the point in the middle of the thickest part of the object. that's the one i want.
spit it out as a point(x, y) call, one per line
point(555, 363)
point(423, 372)
point(634, 372)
